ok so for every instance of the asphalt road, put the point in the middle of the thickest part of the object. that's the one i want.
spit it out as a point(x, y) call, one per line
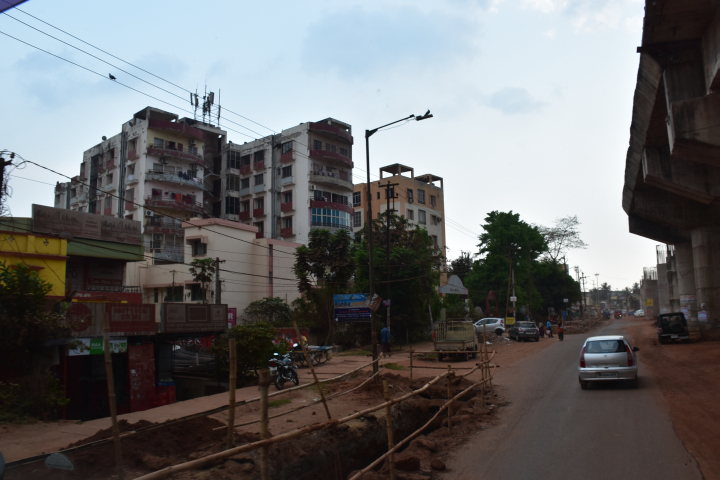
point(554, 430)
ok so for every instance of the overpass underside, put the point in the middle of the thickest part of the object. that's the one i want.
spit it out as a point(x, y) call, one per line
point(672, 172)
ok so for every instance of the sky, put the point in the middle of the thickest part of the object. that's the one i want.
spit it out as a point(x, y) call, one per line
point(532, 99)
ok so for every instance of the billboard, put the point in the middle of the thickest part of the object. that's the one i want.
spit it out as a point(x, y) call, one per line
point(58, 221)
point(94, 346)
point(86, 319)
point(354, 307)
point(194, 318)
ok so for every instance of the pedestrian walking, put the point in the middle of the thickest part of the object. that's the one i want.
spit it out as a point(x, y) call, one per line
point(549, 329)
point(561, 331)
point(542, 330)
point(385, 340)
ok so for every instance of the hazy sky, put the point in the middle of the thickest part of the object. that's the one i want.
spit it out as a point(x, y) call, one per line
point(532, 98)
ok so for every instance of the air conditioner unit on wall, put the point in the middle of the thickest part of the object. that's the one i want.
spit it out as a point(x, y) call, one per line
point(148, 213)
point(163, 160)
point(312, 187)
point(192, 141)
point(194, 166)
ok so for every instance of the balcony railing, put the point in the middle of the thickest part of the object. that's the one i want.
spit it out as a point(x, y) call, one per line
point(286, 232)
point(164, 225)
point(286, 207)
point(133, 155)
point(331, 225)
point(287, 180)
point(245, 191)
point(130, 205)
point(108, 211)
point(259, 165)
point(160, 176)
point(332, 205)
point(244, 169)
point(259, 212)
point(287, 157)
point(131, 180)
point(332, 130)
point(244, 215)
point(176, 202)
point(169, 152)
point(260, 235)
point(183, 128)
point(173, 253)
point(113, 288)
point(328, 155)
point(330, 178)
point(101, 169)
point(111, 164)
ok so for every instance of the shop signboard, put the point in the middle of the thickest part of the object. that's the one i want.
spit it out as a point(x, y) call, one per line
point(232, 317)
point(68, 224)
point(353, 307)
point(94, 346)
point(194, 318)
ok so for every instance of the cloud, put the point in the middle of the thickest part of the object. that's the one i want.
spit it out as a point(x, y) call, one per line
point(513, 100)
point(550, 33)
point(357, 43)
point(590, 15)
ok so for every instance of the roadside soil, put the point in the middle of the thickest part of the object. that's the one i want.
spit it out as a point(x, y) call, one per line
point(179, 443)
point(688, 375)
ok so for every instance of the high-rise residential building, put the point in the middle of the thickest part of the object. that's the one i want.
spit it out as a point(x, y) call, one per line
point(419, 199)
point(163, 170)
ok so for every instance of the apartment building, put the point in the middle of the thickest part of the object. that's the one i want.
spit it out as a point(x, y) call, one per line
point(288, 183)
point(419, 199)
point(156, 170)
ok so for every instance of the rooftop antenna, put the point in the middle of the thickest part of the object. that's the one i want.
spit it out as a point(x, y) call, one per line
point(218, 116)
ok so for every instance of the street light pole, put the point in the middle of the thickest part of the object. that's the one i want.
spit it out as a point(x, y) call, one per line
point(597, 289)
point(371, 266)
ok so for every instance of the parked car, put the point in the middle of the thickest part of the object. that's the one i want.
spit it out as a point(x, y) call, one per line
point(492, 324)
point(640, 313)
point(524, 331)
point(672, 326)
point(607, 358)
point(631, 313)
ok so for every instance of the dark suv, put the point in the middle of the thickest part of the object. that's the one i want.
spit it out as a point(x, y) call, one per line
point(672, 326)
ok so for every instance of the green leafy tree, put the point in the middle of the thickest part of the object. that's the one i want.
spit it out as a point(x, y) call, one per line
point(414, 266)
point(271, 310)
point(253, 348)
point(203, 271)
point(461, 266)
point(605, 290)
point(26, 324)
point(324, 268)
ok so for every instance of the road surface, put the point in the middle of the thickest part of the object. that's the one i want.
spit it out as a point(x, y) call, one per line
point(554, 430)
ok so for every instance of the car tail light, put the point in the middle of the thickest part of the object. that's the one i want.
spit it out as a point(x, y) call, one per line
point(629, 353)
point(582, 358)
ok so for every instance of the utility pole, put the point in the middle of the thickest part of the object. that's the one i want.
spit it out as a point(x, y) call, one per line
point(389, 193)
point(217, 280)
point(172, 297)
point(597, 289)
point(4, 163)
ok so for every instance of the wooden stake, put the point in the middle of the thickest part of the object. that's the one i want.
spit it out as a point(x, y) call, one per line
point(232, 388)
point(312, 369)
point(264, 433)
point(411, 365)
point(449, 396)
point(388, 420)
point(487, 363)
point(111, 395)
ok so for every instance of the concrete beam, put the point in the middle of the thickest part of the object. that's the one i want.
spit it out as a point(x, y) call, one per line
point(671, 209)
point(694, 130)
point(657, 231)
point(695, 181)
point(711, 54)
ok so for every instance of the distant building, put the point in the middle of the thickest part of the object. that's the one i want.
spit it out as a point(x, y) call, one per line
point(419, 199)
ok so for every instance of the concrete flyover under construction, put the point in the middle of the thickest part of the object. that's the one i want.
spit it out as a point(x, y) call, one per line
point(672, 173)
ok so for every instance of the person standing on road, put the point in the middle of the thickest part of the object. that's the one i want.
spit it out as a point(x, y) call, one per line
point(560, 331)
point(549, 329)
point(385, 340)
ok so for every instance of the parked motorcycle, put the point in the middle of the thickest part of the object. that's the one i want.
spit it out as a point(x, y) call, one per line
point(283, 370)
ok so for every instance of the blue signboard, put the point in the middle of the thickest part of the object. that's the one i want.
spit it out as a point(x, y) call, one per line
point(353, 307)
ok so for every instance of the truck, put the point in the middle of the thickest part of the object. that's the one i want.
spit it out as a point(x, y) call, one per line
point(455, 338)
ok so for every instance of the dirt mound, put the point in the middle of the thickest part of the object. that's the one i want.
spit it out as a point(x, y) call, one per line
point(123, 425)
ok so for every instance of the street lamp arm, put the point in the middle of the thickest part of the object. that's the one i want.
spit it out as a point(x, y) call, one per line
point(370, 133)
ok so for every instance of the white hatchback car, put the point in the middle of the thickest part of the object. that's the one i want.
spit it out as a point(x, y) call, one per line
point(491, 324)
point(608, 358)
point(640, 313)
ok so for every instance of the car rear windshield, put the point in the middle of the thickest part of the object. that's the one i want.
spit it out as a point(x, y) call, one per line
point(605, 346)
point(526, 325)
point(668, 319)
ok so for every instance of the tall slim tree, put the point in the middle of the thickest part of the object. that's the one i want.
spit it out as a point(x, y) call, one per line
point(203, 271)
point(562, 237)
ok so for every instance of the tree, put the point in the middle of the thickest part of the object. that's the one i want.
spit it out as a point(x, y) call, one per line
point(253, 348)
point(562, 237)
point(414, 267)
point(605, 290)
point(25, 326)
point(203, 271)
point(271, 310)
point(461, 266)
point(324, 268)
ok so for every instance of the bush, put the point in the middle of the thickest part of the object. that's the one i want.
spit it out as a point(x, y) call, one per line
point(31, 397)
point(254, 347)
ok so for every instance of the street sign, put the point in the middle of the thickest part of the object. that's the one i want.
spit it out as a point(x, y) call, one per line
point(386, 303)
point(58, 461)
point(352, 308)
point(565, 300)
point(513, 299)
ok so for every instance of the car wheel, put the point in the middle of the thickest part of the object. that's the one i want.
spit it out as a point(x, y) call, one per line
point(499, 332)
point(517, 338)
point(537, 339)
point(465, 357)
point(440, 357)
point(583, 385)
point(635, 383)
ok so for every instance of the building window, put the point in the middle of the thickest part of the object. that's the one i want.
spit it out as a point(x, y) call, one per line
point(259, 203)
point(108, 202)
point(378, 194)
point(287, 222)
point(344, 152)
point(130, 195)
point(196, 292)
point(317, 145)
point(434, 240)
point(287, 171)
point(158, 143)
point(232, 205)
point(433, 200)
point(245, 206)
point(131, 169)
point(174, 294)
point(357, 219)
point(156, 295)
point(433, 220)
point(259, 179)
point(330, 147)
point(109, 179)
point(287, 147)
point(192, 150)
point(233, 159)
point(328, 217)
point(411, 214)
point(245, 161)
point(287, 197)
point(259, 157)
point(260, 226)
point(198, 248)
point(73, 193)
point(245, 183)
point(421, 196)
point(357, 199)
point(233, 182)
point(410, 195)
point(421, 217)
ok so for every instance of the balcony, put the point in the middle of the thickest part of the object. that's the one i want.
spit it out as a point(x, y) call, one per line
point(167, 226)
point(330, 225)
point(210, 168)
point(175, 253)
point(244, 215)
point(259, 188)
point(287, 207)
point(244, 192)
point(169, 152)
point(259, 212)
point(74, 201)
point(329, 156)
point(245, 169)
point(287, 157)
point(160, 176)
point(332, 205)
point(82, 197)
point(259, 165)
point(332, 179)
point(260, 235)
point(108, 211)
point(133, 155)
point(131, 180)
point(130, 205)
point(287, 180)
point(101, 169)
point(326, 128)
point(109, 188)
point(175, 202)
point(286, 232)
point(181, 128)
